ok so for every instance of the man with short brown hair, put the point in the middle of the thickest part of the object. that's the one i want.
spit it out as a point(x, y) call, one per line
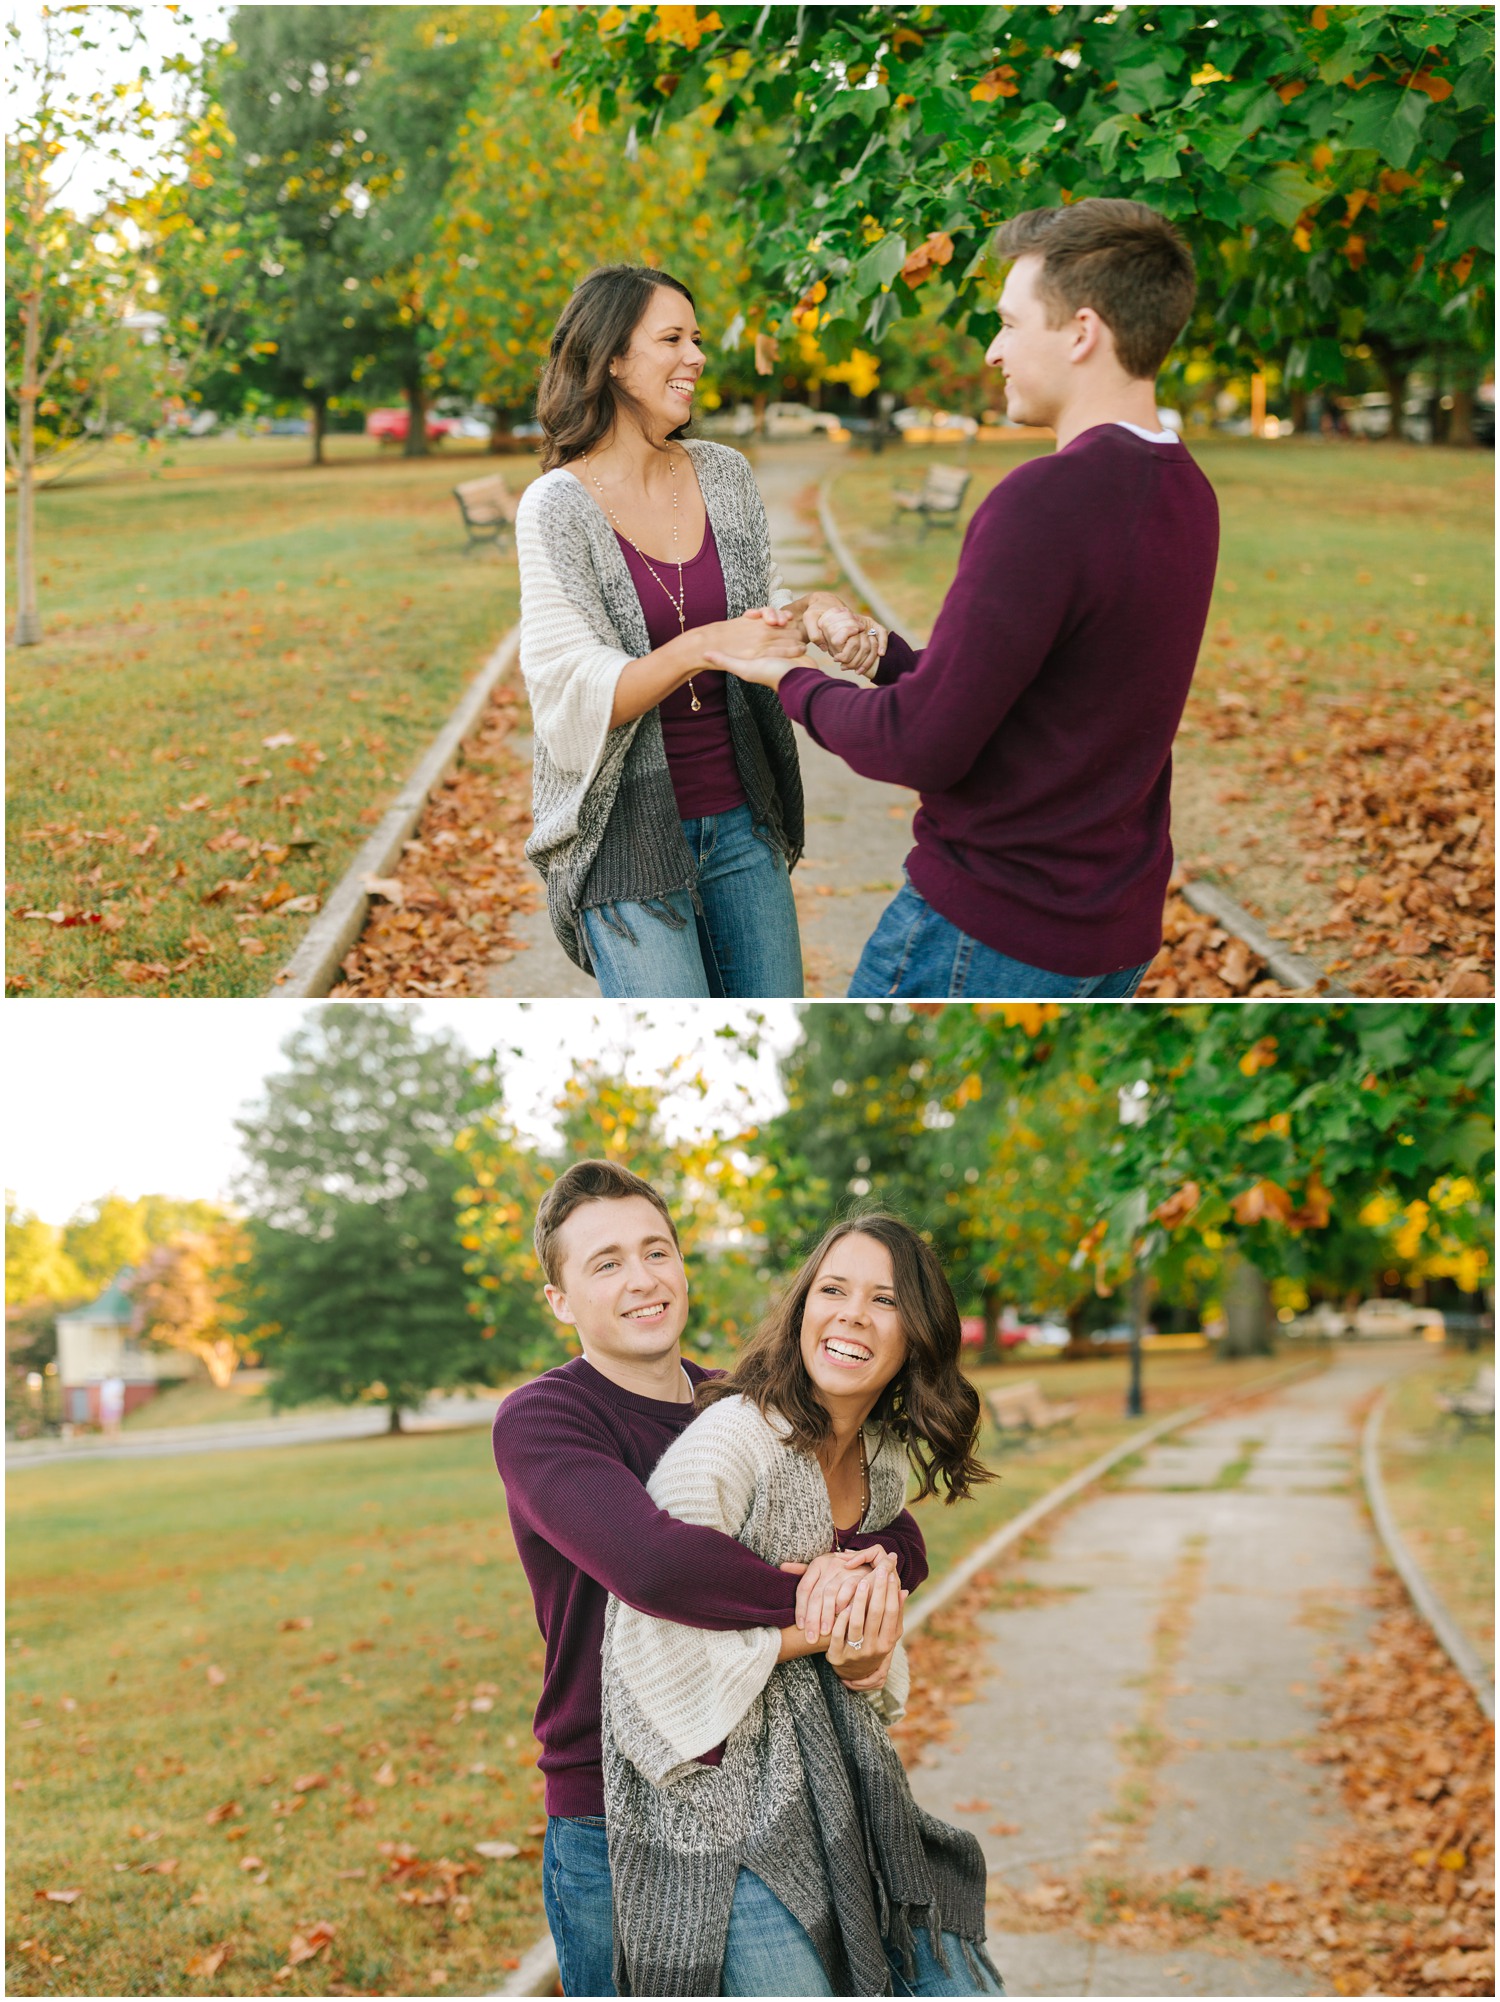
point(575, 1448)
point(1037, 723)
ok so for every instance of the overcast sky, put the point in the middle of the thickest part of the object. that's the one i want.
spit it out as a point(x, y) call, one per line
point(141, 1096)
point(117, 58)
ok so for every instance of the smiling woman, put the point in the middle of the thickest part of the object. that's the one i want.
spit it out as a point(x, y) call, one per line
point(667, 797)
point(737, 1765)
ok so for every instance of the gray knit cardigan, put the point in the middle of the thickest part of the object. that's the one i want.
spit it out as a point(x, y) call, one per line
point(606, 827)
point(810, 1793)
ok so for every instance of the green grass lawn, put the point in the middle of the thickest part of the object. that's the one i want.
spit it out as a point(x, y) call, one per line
point(197, 603)
point(1349, 574)
point(155, 1678)
point(1441, 1487)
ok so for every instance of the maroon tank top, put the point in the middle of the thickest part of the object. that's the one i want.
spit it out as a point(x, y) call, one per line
point(700, 751)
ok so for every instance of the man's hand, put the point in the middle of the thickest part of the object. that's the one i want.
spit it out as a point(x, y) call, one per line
point(828, 1587)
point(855, 641)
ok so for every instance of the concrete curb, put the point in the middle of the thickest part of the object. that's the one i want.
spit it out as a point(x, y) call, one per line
point(538, 1972)
point(1456, 1644)
point(1290, 968)
point(314, 966)
point(846, 561)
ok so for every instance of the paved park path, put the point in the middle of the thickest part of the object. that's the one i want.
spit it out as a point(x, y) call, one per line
point(438, 1414)
point(1152, 1678)
point(858, 832)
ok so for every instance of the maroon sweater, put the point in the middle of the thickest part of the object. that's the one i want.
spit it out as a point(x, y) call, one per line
point(1037, 723)
point(575, 1452)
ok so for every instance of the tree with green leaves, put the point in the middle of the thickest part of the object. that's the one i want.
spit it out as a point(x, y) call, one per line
point(188, 1294)
point(715, 1184)
point(1316, 157)
point(539, 196)
point(72, 279)
point(1248, 1130)
point(37, 1267)
point(356, 1278)
point(296, 167)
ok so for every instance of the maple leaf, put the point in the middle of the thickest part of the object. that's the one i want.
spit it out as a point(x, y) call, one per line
point(935, 250)
point(995, 83)
point(1264, 1201)
point(1178, 1207)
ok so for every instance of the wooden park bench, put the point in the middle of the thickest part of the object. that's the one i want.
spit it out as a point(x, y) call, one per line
point(940, 498)
point(488, 507)
point(1473, 1409)
point(1021, 1407)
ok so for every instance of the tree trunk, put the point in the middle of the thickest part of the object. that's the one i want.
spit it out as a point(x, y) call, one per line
point(991, 1349)
point(1394, 374)
point(497, 427)
point(1461, 419)
point(415, 445)
point(28, 628)
point(1140, 1304)
point(1078, 1347)
point(1298, 399)
point(1247, 1311)
point(220, 1360)
point(319, 405)
point(395, 1424)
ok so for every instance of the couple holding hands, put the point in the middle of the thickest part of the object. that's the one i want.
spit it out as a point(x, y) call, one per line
point(665, 662)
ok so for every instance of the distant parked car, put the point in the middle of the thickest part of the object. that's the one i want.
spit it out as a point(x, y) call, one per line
point(971, 1330)
point(1323, 1323)
point(390, 427)
point(796, 420)
point(1375, 1320)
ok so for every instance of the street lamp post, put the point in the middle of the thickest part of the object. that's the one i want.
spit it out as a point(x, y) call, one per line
point(1140, 1296)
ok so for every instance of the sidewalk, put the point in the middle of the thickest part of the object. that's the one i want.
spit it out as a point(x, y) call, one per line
point(1153, 1677)
point(438, 1414)
point(858, 832)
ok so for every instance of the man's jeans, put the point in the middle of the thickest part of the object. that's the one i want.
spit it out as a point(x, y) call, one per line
point(744, 944)
point(768, 1952)
point(914, 951)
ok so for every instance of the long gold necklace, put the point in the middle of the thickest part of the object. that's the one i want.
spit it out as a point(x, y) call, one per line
point(679, 602)
point(864, 1494)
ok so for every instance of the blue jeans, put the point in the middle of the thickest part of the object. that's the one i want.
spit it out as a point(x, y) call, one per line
point(768, 1953)
point(914, 951)
point(743, 944)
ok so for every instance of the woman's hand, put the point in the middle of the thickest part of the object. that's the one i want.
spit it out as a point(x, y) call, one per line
point(866, 1632)
point(758, 634)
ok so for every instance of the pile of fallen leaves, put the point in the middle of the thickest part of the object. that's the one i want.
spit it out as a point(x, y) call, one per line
point(946, 1657)
point(1200, 959)
point(441, 919)
point(1401, 828)
point(1404, 1903)
point(1401, 1903)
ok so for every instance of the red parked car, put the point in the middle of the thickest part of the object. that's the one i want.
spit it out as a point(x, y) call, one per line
point(971, 1329)
point(390, 426)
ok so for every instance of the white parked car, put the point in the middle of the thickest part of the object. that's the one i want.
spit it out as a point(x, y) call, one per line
point(1374, 1319)
point(1321, 1323)
point(796, 420)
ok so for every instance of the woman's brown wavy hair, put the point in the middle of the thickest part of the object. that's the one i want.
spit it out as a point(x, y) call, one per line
point(929, 1405)
point(579, 401)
